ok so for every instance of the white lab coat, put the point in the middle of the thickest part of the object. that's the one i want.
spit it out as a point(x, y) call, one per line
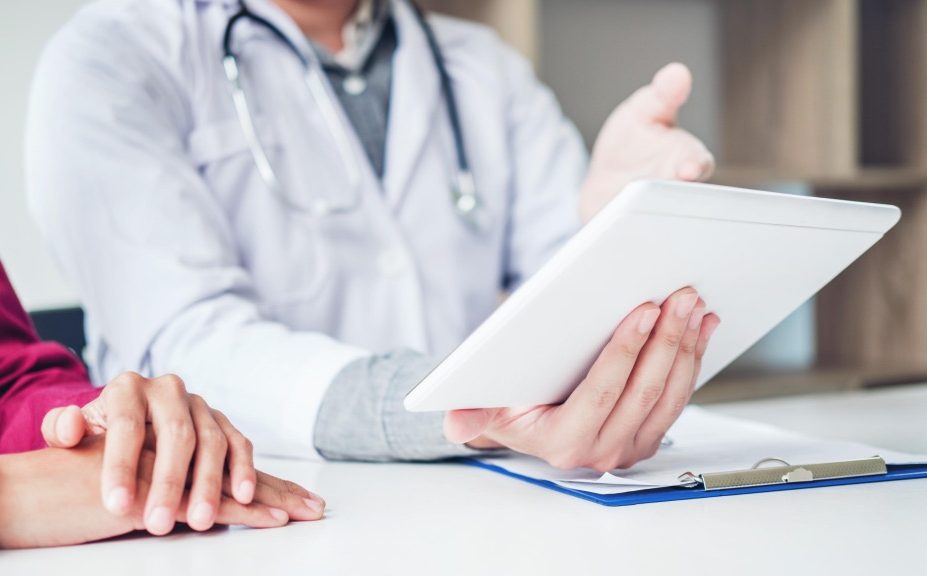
point(140, 177)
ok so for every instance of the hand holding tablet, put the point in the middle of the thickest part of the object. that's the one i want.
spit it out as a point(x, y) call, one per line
point(618, 414)
point(596, 396)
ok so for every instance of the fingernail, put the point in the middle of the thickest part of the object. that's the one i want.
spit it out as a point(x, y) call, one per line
point(160, 521)
point(685, 304)
point(313, 506)
point(696, 319)
point(647, 321)
point(712, 328)
point(202, 514)
point(279, 515)
point(60, 427)
point(117, 501)
point(246, 491)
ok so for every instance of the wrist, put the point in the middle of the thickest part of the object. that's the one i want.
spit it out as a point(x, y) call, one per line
point(15, 474)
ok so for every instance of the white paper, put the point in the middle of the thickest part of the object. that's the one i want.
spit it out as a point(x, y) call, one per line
point(705, 442)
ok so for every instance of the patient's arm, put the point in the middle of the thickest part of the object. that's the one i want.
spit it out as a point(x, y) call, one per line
point(51, 497)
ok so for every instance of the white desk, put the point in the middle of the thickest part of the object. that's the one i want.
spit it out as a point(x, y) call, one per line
point(447, 519)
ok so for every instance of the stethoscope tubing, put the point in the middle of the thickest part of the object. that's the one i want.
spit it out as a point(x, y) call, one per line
point(463, 191)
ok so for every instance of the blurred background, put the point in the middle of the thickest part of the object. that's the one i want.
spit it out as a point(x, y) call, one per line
point(823, 97)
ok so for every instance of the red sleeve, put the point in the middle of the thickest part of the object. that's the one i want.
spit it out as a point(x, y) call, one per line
point(34, 376)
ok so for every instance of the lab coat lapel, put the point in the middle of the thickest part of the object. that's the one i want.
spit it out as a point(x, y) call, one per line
point(415, 93)
point(272, 13)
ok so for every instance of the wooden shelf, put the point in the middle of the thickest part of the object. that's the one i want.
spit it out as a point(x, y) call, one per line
point(732, 387)
point(830, 93)
point(863, 179)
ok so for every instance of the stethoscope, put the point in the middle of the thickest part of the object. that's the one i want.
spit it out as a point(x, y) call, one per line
point(466, 202)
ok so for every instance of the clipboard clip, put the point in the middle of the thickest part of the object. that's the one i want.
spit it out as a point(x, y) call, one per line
point(784, 473)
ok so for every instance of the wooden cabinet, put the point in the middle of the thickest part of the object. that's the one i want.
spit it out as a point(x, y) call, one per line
point(832, 93)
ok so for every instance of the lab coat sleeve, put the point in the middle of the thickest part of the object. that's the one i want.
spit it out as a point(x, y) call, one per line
point(371, 390)
point(549, 162)
point(132, 223)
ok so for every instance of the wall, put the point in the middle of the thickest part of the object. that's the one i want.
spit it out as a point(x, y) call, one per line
point(594, 53)
point(25, 27)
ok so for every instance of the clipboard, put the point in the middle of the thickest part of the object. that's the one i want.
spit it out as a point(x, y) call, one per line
point(735, 482)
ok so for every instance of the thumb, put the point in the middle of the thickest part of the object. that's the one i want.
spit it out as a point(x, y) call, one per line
point(462, 426)
point(661, 100)
point(64, 427)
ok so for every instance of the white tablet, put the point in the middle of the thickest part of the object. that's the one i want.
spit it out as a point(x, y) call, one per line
point(754, 257)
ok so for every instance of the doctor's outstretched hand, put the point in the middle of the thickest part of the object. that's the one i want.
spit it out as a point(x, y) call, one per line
point(640, 139)
point(618, 414)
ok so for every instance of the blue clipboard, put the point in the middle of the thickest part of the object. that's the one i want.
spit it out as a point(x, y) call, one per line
point(650, 495)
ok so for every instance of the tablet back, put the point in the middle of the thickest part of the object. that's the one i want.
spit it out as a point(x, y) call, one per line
point(753, 256)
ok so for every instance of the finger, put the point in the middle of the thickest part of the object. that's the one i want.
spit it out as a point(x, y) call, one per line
point(661, 100)
point(462, 426)
point(699, 165)
point(709, 324)
point(241, 460)
point(63, 427)
point(232, 513)
point(675, 395)
point(590, 404)
point(125, 410)
point(294, 500)
point(648, 379)
point(254, 515)
point(175, 441)
point(208, 466)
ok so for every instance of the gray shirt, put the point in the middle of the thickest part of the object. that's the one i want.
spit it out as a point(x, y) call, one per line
point(362, 83)
point(361, 416)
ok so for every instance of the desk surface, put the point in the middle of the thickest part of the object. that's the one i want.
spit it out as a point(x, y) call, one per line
point(449, 519)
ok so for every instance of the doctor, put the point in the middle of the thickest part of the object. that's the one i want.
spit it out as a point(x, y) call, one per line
point(298, 204)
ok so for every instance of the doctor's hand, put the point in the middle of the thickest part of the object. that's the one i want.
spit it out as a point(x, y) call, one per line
point(617, 416)
point(187, 436)
point(640, 139)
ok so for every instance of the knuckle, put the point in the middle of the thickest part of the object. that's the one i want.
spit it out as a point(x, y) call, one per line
point(625, 350)
point(604, 396)
point(687, 347)
point(246, 444)
point(126, 424)
point(625, 461)
point(671, 339)
point(652, 449)
point(212, 436)
point(173, 382)
point(565, 460)
point(126, 379)
point(649, 393)
point(677, 404)
point(179, 430)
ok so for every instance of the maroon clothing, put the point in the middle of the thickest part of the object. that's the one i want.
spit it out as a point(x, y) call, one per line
point(34, 376)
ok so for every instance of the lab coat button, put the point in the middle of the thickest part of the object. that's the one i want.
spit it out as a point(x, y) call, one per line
point(390, 263)
point(354, 85)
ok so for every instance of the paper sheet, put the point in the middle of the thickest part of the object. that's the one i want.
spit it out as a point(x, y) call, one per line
point(705, 442)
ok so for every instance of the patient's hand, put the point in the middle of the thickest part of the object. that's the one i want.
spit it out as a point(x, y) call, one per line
point(51, 497)
point(640, 139)
point(618, 414)
point(188, 438)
